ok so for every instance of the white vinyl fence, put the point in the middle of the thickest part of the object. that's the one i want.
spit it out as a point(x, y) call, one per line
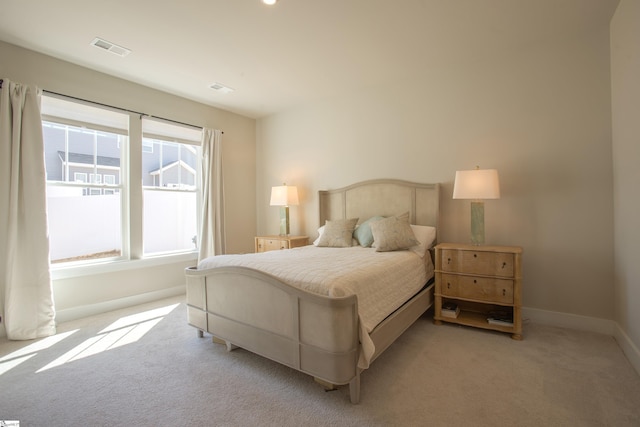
point(80, 226)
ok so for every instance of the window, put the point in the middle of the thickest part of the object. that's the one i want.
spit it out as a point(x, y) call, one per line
point(170, 187)
point(84, 213)
point(92, 210)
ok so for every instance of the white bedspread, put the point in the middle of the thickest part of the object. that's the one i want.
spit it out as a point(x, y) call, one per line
point(382, 281)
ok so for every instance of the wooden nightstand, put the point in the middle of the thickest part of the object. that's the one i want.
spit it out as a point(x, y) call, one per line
point(480, 280)
point(273, 243)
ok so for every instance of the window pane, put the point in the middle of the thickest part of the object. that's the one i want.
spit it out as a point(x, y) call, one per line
point(70, 150)
point(169, 221)
point(169, 172)
point(169, 165)
point(82, 227)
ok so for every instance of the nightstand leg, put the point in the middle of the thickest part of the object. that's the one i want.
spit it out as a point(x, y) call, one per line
point(437, 322)
point(517, 337)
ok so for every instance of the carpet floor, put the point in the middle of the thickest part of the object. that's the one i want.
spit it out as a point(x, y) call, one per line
point(144, 366)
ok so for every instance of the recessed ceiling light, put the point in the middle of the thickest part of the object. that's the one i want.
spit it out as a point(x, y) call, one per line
point(219, 87)
point(269, 2)
point(110, 47)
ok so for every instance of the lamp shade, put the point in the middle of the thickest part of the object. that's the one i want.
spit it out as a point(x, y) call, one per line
point(477, 184)
point(284, 195)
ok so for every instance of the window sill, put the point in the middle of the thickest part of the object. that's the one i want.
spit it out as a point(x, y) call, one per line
point(67, 272)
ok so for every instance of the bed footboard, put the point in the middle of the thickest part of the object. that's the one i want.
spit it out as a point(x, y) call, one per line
point(313, 334)
point(254, 310)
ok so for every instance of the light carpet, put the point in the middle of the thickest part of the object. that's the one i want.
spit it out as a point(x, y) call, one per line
point(118, 369)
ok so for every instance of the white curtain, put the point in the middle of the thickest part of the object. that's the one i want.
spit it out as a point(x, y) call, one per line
point(26, 295)
point(212, 234)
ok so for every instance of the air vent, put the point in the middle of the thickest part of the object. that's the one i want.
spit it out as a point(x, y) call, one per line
point(219, 87)
point(111, 47)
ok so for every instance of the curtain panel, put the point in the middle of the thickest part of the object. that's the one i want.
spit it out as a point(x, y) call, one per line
point(26, 297)
point(212, 234)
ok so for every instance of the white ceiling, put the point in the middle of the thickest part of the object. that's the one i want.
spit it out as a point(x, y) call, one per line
point(277, 57)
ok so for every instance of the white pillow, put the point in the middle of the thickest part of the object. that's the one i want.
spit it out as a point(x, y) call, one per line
point(425, 235)
point(320, 231)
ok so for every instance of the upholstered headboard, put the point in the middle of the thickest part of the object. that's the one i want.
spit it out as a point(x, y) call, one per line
point(385, 197)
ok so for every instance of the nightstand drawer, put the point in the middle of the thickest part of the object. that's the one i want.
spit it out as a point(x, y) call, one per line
point(275, 243)
point(271, 245)
point(478, 262)
point(478, 288)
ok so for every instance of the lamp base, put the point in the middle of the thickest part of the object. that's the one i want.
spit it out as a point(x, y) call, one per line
point(284, 220)
point(477, 223)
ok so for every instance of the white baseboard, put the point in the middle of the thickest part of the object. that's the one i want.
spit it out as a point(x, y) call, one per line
point(585, 323)
point(103, 307)
point(628, 347)
point(570, 321)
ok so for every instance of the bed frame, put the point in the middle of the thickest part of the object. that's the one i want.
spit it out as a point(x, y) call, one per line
point(314, 334)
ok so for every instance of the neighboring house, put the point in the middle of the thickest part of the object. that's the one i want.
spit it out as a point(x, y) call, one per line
point(76, 167)
point(176, 174)
point(161, 167)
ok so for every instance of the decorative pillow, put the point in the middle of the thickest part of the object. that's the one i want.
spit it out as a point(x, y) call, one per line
point(354, 242)
point(363, 232)
point(338, 233)
point(426, 236)
point(392, 234)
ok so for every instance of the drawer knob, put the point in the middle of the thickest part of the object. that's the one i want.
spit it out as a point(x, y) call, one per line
point(475, 255)
point(504, 292)
point(475, 281)
point(448, 285)
point(448, 260)
point(504, 264)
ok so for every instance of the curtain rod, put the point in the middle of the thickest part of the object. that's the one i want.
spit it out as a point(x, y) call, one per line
point(117, 108)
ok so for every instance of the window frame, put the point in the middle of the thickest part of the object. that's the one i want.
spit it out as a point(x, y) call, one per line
point(152, 138)
point(91, 188)
point(131, 193)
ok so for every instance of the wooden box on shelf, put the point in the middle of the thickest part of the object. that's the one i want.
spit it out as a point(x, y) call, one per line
point(274, 243)
point(483, 282)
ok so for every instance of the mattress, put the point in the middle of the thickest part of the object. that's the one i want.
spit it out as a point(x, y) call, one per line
point(382, 281)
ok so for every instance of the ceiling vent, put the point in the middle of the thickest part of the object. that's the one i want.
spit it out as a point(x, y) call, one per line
point(111, 47)
point(219, 87)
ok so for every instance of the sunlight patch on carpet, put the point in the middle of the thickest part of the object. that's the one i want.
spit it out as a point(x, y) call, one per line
point(17, 357)
point(126, 330)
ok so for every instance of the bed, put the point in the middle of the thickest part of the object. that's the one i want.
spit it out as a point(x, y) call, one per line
point(244, 301)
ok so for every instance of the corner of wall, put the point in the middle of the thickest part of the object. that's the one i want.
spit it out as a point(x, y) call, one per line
point(628, 347)
point(567, 320)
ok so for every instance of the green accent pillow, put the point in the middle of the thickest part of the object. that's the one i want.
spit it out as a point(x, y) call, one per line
point(363, 233)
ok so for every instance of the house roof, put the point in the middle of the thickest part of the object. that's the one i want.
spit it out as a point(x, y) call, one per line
point(171, 165)
point(87, 159)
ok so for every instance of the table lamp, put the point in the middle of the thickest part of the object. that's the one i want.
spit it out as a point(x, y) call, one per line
point(284, 196)
point(477, 185)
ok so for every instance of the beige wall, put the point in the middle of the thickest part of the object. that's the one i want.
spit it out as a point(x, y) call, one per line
point(26, 66)
point(625, 87)
point(540, 115)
